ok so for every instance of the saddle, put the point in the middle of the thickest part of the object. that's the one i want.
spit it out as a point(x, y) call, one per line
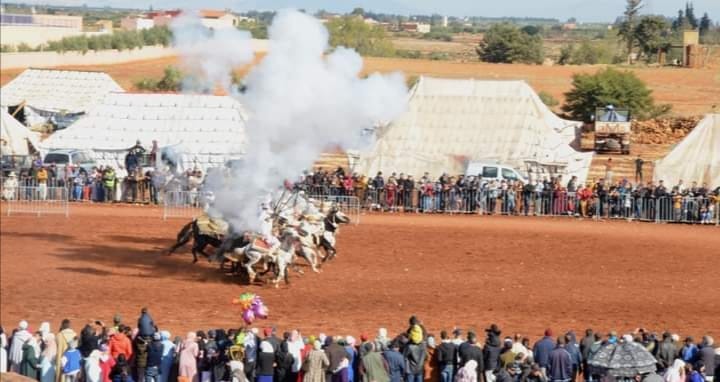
point(208, 226)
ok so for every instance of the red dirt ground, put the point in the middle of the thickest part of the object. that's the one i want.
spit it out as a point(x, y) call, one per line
point(523, 273)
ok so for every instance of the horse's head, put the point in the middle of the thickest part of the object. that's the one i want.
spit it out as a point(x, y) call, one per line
point(340, 217)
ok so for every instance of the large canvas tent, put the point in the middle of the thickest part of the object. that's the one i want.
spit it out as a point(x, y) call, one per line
point(201, 130)
point(15, 139)
point(452, 121)
point(696, 158)
point(59, 97)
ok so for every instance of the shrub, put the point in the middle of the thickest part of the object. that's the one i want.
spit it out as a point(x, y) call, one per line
point(548, 99)
point(609, 87)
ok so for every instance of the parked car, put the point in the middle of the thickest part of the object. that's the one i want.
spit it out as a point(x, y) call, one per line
point(493, 171)
point(75, 158)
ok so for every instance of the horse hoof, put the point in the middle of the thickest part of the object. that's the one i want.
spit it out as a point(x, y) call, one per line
point(194, 261)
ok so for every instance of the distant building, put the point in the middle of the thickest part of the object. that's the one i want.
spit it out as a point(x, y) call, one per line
point(445, 21)
point(212, 19)
point(37, 29)
point(136, 23)
point(415, 27)
point(569, 26)
point(218, 19)
point(104, 25)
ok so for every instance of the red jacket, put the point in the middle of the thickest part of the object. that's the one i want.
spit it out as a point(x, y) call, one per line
point(120, 344)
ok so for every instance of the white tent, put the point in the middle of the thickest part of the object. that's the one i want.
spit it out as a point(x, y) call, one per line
point(59, 96)
point(452, 121)
point(15, 139)
point(696, 158)
point(204, 130)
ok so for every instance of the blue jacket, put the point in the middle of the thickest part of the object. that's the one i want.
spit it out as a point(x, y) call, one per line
point(560, 366)
point(575, 355)
point(72, 364)
point(146, 326)
point(688, 353)
point(396, 365)
point(542, 350)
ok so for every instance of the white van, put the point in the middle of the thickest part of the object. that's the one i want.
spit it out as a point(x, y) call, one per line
point(493, 171)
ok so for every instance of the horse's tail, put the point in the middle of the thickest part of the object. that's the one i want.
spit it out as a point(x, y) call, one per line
point(183, 237)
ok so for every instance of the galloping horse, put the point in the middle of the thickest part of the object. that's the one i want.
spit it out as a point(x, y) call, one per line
point(332, 222)
point(200, 240)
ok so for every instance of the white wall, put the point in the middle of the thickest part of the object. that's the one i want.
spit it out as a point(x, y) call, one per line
point(104, 57)
point(33, 35)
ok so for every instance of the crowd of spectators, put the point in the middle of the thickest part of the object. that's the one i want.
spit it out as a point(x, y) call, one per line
point(143, 353)
point(546, 196)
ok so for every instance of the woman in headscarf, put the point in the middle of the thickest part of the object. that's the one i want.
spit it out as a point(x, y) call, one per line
point(467, 373)
point(19, 338)
point(64, 336)
point(189, 353)
point(93, 373)
point(315, 365)
point(30, 362)
point(3, 351)
point(352, 357)
point(48, 355)
point(431, 367)
point(265, 362)
point(676, 372)
point(168, 354)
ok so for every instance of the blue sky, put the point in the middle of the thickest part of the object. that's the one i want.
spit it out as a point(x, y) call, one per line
point(584, 10)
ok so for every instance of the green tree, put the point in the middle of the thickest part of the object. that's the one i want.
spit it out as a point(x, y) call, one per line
point(531, 30)
point(690, 15)
point(358, 12)
point(586, 54)
point(353, 32)
point(607, 87)
point(681, 23)
point(652, 35)
point(705, 25)
point(626, 32)
point(506, 43)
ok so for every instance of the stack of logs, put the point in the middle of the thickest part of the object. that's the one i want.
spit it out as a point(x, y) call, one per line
point(663, 130)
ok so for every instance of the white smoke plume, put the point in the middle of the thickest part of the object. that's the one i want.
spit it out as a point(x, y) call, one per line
point(301, 101)
point(210, 55)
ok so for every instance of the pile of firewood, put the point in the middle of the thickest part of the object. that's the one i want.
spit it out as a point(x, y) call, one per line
point(663, 130)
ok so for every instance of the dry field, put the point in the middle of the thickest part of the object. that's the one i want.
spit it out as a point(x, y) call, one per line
point(690, 91)
point(524, 273)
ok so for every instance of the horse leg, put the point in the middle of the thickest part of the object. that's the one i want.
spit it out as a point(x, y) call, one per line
point(309, 256)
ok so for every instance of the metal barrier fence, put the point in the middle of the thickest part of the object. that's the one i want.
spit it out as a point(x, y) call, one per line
point(350, 205)
point(41, 200)
point(183, 204)
point(484, 202)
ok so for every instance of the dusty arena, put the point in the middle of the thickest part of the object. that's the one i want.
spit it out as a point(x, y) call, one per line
point(524, 273)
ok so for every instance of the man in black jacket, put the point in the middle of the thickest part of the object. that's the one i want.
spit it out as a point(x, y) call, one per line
point(414, 355)
point(154, 357)
point(491, 352)
point(447, 354)
point(470, 350)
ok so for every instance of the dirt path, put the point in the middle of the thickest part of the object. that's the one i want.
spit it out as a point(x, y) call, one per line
point(524, 273)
